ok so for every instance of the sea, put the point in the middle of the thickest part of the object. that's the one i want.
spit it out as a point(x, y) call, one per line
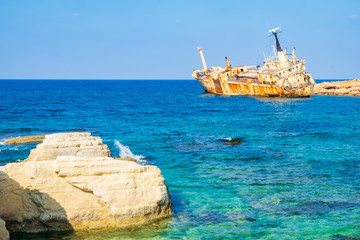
point(236, 167)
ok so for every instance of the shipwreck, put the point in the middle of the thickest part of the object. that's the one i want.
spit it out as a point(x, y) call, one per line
point(282, 75)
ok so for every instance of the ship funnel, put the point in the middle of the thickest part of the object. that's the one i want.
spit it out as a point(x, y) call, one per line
point(202, 58)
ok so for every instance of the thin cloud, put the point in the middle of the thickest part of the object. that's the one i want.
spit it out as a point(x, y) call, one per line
point(178, 21)
point(76, 14)
point(354, 16)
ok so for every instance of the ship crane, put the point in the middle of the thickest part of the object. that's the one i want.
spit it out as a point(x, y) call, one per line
point(228, 65)
point(202, 59)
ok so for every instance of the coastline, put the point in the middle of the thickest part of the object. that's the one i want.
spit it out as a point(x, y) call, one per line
point(338, 88)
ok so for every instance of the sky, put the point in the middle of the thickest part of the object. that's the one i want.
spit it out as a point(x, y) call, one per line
point(157, 39)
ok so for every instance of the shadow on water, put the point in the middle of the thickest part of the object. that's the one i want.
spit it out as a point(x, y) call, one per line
point(307, 208)
point(259, 98)
point(151, 230)
point(179, 204)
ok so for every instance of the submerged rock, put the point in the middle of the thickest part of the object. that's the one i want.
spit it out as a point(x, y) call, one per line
point(339, 88)
point(70, 181)
point(26, 139)
point(343, 237)
point(232, 141)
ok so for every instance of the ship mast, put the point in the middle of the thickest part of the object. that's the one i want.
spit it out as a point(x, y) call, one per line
point(278, 48)
point(283, 60)
point(202, 59)
point(274, 32)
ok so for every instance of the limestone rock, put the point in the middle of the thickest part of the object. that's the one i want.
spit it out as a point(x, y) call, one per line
point(26, 139)
point(69, 144)
point(70, 181)
point(4, 234)
point(340, 88)
point(127, 159)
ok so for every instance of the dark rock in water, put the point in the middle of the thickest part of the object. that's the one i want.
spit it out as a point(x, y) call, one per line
point(342, 237)
point(213, 217)
point(77, 130)
point(210, 217)
point(307, 208)
point(251, 159)
point(319, 207)
point(232, 141)
point(28, 129)
point(239, 216)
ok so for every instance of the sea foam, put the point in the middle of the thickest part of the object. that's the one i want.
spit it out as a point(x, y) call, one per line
point(125, 152)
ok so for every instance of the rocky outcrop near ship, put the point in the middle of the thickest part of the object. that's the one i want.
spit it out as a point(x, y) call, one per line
point(71, 181)
point(340, 88)
point(24, 140)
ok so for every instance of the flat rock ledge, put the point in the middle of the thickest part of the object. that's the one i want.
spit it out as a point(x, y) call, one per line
point(24, 140)
point(340, 88)
point(71, 182)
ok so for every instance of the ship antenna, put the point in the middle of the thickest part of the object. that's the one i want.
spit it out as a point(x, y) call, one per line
point(263, 53)
point(274, 52)
point(274, 32)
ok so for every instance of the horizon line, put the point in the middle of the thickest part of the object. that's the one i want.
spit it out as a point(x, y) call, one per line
point(110, 79)
point(101, 79)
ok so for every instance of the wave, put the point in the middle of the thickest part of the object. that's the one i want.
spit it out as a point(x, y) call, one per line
point(3, 140)
point(125, 152)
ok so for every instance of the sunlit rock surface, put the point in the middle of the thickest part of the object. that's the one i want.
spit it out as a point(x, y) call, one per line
point(70, 181)
point(340, 88)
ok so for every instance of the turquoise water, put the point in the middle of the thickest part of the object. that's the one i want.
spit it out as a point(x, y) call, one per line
point(295, 175)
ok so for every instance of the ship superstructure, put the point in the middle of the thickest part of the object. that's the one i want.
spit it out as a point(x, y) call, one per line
point(281, 76)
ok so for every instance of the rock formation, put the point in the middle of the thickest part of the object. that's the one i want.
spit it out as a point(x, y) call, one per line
point(70, 181)
point(340, 88)
point(26, 139)
point(4, 234)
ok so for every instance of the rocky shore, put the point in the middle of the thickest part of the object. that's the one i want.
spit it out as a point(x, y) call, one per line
point(340, 88)
point(26, 139)
point(71, 181)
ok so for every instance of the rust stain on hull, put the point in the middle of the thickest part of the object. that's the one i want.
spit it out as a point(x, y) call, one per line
point(253, 89)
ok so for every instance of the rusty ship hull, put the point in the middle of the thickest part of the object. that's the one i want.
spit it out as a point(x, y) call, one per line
point(250, 88)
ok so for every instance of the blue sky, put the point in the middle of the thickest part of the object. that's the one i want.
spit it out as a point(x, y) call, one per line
point(120, 39)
